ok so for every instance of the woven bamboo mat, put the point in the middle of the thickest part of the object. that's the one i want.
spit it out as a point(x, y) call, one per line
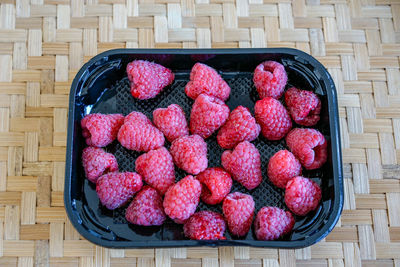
point(44, 43)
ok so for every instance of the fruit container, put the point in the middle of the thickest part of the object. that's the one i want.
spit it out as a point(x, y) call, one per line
point(102, 86)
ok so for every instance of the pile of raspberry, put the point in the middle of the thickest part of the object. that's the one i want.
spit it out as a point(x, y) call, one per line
point(151, 189)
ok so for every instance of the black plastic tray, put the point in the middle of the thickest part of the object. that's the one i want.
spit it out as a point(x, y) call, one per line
point(101, 86)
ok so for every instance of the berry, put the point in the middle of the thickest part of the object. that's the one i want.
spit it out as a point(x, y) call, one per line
point(272, 223)
point(304, 106)
point(101, 129)
point(282, 167)
point(273, 117)
point(136, 116)
point(302, 195)
point(181, 199)
point(309, 146)
point(116, 188)
point(270, 79)
point(171, 122)
point(240, 126)
point(205, 225)
point(244, 164)
point(97, 162)
point(157, 169)
point(216, 184)
point(190, 153)
point(147, 78)
point(208, 114)
point(204, 79)
point(146, 208)
point(238, 210)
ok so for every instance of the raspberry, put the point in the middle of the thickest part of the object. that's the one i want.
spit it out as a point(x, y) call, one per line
point(190, 153)
point(148, 78)
point(240, 126)
point(302, 195)
point(116, 188)
point(309, 146)
point(272, 223)
point(204, 79)
point(101, 129)
point(270, 79)
point(139, 134)
point(157, 169)
point(216, 184)
point(238, 210)
point(96, 162)
point(171, 121)
point(205, 225)
point(208, 114)
point(304, 106)
point(273, 117)
point(282, 167)
point(244, 164)
point(146, 208)
point(181, 199)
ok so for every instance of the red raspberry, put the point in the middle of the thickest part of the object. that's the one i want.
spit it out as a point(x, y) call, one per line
point(101, 129)
point(238, 210)
point(190, 153)
point(115, 189)
point(171, 121)
point(273, 117)
point(244, 163)
point(205, 225)
point(240, 126)
point(309, 146)
point(204, 79)
point(148, 78)
point(157, 169)
point(181, 199)
point(208, 114)
point(146, 208)
point(96, 162)
point(304, 106)
point(270, 79)
point(302, 195)
point(282, 167)
point(139, 134)
point(272, 223)
point(216, 184)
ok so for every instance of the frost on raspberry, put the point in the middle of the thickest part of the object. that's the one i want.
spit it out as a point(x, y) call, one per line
point(97, 162)
point(238, 209)
point(272, 223)
point(304, 106)
point(171, 121)
point(270, 79)
point(101, 129)
point(205, 225)
point(282, 167)
point(216, 184)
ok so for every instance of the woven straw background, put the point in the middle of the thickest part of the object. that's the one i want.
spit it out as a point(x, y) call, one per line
point(44, 42)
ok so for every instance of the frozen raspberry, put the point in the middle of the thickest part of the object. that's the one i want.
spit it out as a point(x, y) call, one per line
point(148, 78)
point(205, 225)
point(240, 126)
point(216, 184)
point(146, 208)
point(244, 164)
point(205, 80)
point(238, 210)
point(208, 114)
point(190, 153)
point(282, 167)
point(309, 146)
point(171, 121)
point(157, 169)
point(97, 162)
point(302, 195)
point(115, 189)
point(272, 223)
point(181, 199)
point(101, 129)
point(270, 79)
point(304, 106)
point(273, 117)
point(139, 134)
